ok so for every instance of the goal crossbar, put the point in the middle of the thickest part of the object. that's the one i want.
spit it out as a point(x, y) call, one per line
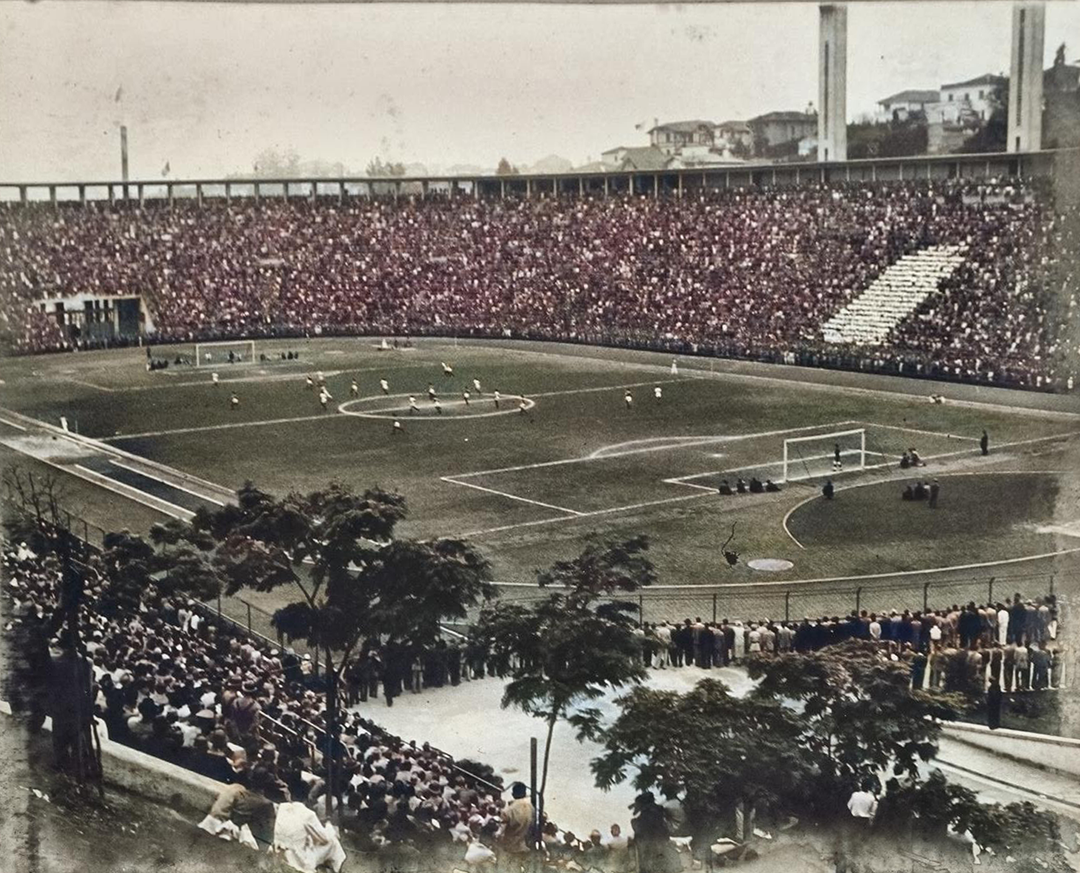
point(203, 349)
point(791, 443)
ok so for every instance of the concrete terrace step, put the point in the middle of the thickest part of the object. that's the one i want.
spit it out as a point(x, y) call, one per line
point(893, 296)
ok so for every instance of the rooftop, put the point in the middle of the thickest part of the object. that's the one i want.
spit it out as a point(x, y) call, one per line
point(912, 96)
point(684, 126)
point(784, 116)
point(985, 79)
point(645, 158)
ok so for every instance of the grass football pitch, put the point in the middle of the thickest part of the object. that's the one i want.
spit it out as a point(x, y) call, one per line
point(531, 487)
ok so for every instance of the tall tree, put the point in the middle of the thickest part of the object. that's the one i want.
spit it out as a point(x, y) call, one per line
point(505, 168)
point(859, 712)
point(336, 550)
point(575, 644)
point(717, 752)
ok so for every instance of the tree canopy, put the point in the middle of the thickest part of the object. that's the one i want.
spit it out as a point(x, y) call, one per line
point(815, 727)
point(577, 642)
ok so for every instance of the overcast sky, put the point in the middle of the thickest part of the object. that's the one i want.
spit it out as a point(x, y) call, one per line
point(206, 87)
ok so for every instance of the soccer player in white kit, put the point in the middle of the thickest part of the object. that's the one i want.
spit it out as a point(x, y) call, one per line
point(319, 378)
point(412, 404)
point(385, 386)
point(310, 383)
point(397, 428)
point(476, 387)
point(447, 370)
point(214, 378)
point(674, 368)
point(628, 398)
point(438, 406)
point(354, 389)
point(465, 397)
point(658, 392)
point(325, 397)
point(496, 397)
point(234, 402)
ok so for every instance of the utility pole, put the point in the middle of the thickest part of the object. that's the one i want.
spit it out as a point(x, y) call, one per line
point(124, 158)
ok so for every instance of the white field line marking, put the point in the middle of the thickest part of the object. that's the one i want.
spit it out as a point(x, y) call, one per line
point(506, 494)
point(191, 383)
point(387, 413)
point(90, 385)
point(713, 492)
point(665, 440)
point(592, 513)
point(211, 427)
point(593, 457)
point(148, 475)
point(679, 481)
point(693, 367)
point(916, 430)
point(599, 388)
point(12, 424)
point(261, 423)
point(604, 452)
point(131, 493)
point(908, 475)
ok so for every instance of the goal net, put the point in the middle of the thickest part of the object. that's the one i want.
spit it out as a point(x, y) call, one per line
point(824, 454)
point(218, 354)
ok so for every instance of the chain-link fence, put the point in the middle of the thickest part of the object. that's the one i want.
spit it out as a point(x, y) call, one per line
point(779, 602)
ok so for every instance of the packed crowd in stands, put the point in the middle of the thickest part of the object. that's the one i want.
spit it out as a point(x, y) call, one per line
point(744, 272)
point(171, 683)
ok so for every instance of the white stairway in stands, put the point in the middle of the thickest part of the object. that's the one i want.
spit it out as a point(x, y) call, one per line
point(893, 296)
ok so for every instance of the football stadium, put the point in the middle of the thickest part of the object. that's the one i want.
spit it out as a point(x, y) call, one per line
point(623, 517)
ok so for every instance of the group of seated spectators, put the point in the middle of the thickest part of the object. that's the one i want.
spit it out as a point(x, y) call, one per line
point(754, 486)
point(749, 272)
point(1013, 643)
point(171, 683)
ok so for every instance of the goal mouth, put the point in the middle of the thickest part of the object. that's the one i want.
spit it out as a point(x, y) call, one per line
point(223, 354)
point(823, 455)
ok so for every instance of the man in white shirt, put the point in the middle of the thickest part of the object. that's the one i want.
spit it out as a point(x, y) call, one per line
point(1002, 625)
point(863, 806)
point(875, 628)
point(616, 842)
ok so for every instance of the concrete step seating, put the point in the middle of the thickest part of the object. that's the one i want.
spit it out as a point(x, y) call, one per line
point(893, 296)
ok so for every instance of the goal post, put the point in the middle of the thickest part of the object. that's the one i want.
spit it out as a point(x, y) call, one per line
point(809, 456)
point(212, 354)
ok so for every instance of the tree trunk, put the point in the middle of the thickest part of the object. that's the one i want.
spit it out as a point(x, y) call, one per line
point(544, 772)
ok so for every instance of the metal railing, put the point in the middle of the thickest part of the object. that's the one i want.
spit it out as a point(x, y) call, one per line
point(793, 601)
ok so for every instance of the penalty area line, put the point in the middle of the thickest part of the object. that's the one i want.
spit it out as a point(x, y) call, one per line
point(571, 512)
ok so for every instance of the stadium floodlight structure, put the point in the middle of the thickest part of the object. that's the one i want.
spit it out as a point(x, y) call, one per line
point(801, 465)
point(212, 354)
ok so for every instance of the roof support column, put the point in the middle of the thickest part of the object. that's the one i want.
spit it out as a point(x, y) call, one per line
point(832, 83)
point(1026, 77)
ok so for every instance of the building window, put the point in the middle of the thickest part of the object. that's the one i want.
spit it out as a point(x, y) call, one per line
point(950, 98)
point(982, 93)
